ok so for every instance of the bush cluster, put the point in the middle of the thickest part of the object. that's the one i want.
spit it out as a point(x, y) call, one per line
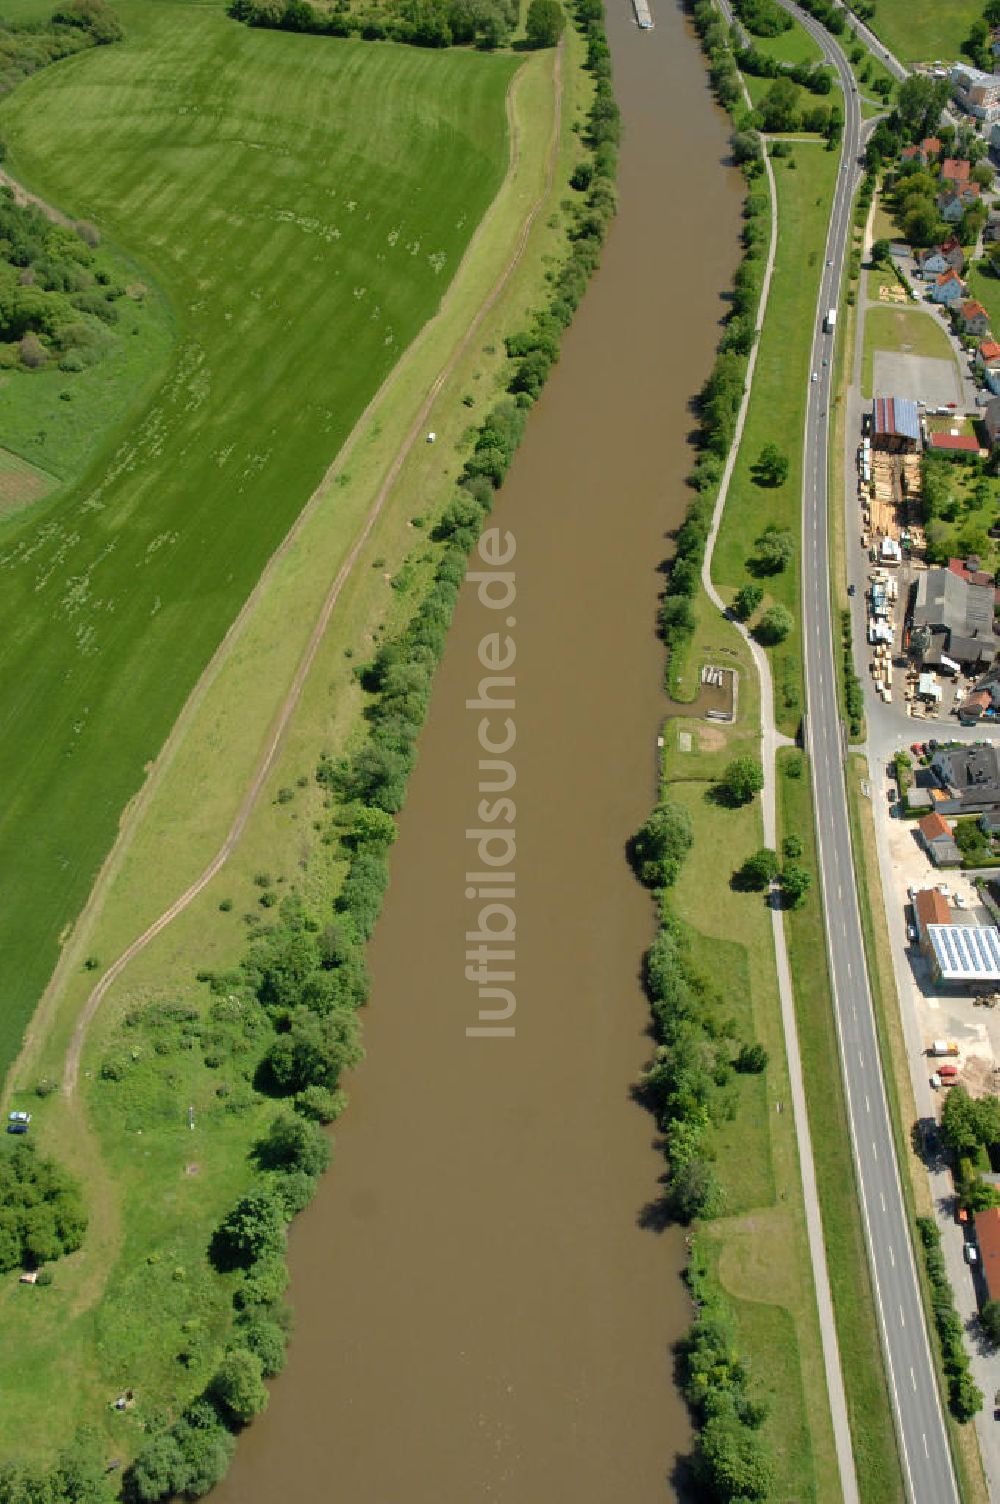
point(816, 77)
point(854, 700)
point(763, 17)
point(421, 23)
point(965, 1398)
point(720, 397)
point(41, 1210)
point(27, 46)
point(57, 302)
point(732, 1462)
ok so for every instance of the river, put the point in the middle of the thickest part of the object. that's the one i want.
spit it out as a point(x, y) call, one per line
point(479, 1312)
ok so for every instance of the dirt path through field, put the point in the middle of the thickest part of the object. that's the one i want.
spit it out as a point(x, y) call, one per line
point(288, 705)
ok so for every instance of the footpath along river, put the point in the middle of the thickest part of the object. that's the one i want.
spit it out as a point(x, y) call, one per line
point(479, 1312)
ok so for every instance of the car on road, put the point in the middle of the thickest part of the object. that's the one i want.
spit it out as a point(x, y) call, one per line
point(815, 375)
point(851, 589)
point(971, 1253)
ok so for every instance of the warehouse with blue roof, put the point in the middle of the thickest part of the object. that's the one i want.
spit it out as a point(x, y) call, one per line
point(964, 954)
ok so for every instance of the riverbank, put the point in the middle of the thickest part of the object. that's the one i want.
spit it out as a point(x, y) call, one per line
point(780, 385)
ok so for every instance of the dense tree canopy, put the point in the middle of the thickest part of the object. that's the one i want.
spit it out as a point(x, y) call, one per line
point(41, 1211)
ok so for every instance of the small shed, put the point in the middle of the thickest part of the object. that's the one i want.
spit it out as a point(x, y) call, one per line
point(929, 689)
point(895, 425)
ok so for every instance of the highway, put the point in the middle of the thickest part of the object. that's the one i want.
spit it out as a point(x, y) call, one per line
point(923, 1442)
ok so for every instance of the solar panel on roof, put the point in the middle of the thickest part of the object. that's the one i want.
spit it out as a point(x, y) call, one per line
point(966, 952)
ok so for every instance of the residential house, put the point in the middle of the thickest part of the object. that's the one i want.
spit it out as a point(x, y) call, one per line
point(974, 318)
point(969, 774)
point(941, 258)
point(955, 172)
point(969, 571)
point(991, 229)
point(953, 254)
point(976, 93)
point(930, 147)
point(934, 263)
point(929, 907)
point(955, 619)
point(988, 364)
point(988, 1239)
point(948, 288)
point(971, 711)
point(938, 841)
point(989, 685)
point(950, 207)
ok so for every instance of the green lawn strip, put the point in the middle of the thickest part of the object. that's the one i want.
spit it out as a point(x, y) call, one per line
point(768, 1335)
point(762, 1240)
point(872, 1428)
point(277, 253)
point(185, 823)
point(792, 46)
point(919, 31)
point(777, 409)
point(906, 330)
point(899, 1088)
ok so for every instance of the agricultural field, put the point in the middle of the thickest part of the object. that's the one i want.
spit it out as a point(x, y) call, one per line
point(21, 483)
point(236, 170)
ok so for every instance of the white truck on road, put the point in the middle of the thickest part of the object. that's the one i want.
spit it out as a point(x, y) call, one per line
point(830, 322)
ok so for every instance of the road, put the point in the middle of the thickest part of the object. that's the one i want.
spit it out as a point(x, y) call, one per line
point(923, 1441)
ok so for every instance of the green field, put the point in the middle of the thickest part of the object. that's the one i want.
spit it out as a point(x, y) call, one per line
point(237, 170)
point(21, 483)
point(920, 31)
point(777, 405)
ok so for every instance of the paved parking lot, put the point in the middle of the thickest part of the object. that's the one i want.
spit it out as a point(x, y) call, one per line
point(919, 377)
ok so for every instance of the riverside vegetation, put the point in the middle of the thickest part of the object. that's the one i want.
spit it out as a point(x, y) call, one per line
point(278, 1030)
point(433, 23)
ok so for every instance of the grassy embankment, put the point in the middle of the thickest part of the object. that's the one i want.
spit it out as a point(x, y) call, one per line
point(275, 256)
point(758, 1245)
point(910, 331)
point(780, 386)
point(149, 1218)
point(777, 410)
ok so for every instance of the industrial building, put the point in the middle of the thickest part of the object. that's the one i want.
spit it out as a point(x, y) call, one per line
point(895, 425)
point(952, 622)
point(965, 954)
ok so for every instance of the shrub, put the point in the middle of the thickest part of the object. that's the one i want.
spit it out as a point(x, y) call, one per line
point(660, 845)
point(238, 1386)
point(751, 1060)
point(775, 625)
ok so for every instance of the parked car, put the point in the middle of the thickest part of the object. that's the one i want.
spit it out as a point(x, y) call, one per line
point(17, 1127)
point(911, 932)
point(971, 1253)
point(19, 1117)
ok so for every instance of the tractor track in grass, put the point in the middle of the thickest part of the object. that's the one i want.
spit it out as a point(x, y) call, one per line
point(134, 813)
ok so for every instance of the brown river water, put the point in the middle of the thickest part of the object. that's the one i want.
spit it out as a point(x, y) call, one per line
point(479, 1313)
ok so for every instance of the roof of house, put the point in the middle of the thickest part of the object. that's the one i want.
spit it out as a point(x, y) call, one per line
point(952, 244)
point(959, 441)
point(963, 568)
point(933, 827)
point(989, 350)
point(970, 309)
point(954, 170)
point(909, 152)
point(931, 906)
point(978, 701)
point(988, 1238)
point(897, 415)
point(951, 275)
point(930, 145)
point(966, 952)
point(969, 767)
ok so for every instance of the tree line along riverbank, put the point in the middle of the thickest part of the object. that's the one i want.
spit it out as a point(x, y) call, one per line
point(278, 1030)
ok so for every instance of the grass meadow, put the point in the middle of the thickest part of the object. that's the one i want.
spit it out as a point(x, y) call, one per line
point(911, 330)
point(301, 205)
point(919, 31)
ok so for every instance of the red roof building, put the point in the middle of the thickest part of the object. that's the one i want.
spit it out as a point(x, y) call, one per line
point(989, 351)
point(988, 1238)
point(953, 171)
point(930, 146)
point(954, 443)
point(970, 576)
point(933, 826)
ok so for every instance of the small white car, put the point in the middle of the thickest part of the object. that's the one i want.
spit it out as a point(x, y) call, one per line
point(971, 1253)
point(815, 375)
point(19, 1117)
point(960, 902)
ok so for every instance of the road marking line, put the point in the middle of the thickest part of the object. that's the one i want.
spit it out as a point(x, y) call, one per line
point(874, 1150)
point(892, 1260)
point(902, 1318)
point(923, 1438)
point(913, 1380)
point(868, 1105)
